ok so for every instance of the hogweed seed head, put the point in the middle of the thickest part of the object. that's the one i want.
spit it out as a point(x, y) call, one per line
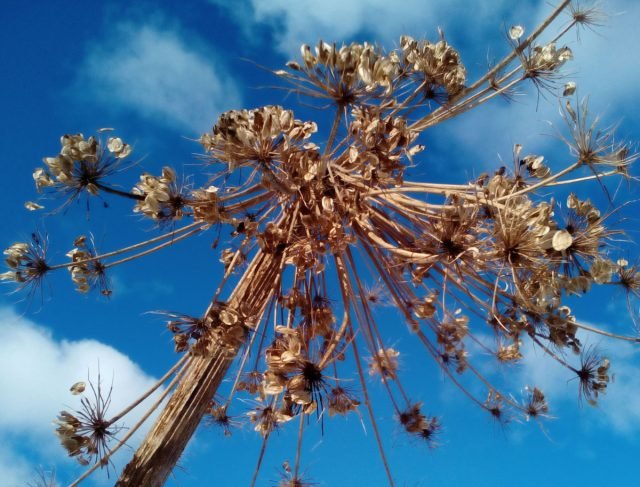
point(325, 224)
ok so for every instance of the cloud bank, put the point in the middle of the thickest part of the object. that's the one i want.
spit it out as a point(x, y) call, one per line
point(618, 409)
point(308, 21)
point(157, 73)
point(34, 387)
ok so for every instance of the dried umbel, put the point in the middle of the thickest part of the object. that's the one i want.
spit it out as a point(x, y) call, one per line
point(218, 416)
point(81, 165)
point(535, 404)
point(345, 75)
point(161, 196)
point(325, 225)
point(416, 423)
point(437, 67)
point(27, 262)
point(341, 402)
point(87, 270)
point(385, 363)
point(87, 433)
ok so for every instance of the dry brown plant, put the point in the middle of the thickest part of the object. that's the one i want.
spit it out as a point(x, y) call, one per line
point(494, 257)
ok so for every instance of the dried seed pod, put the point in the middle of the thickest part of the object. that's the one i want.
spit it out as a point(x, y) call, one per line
point(78, 388)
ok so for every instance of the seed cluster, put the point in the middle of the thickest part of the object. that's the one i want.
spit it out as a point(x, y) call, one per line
point(85, 434)
point(81, 164)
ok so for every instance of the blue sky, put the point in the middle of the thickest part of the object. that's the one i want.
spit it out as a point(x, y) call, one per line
point(161, 73)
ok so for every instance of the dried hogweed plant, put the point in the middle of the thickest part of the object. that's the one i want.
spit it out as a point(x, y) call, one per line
point(325, 232)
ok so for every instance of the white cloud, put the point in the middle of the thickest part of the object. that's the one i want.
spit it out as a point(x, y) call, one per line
point(618, 409)
point(34, 387)
point(159, 74)
point(606, 62)
point(308, 21)
point(602, 71)
point(621, 406)
point(14, 470)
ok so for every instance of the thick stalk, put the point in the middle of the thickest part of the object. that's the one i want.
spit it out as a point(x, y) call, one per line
point(161, 449)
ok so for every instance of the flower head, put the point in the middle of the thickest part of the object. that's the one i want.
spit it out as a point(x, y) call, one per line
point(27, 262)
point(86, 434)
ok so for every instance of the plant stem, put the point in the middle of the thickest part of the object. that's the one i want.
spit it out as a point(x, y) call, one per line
point(157, 247)
point(161, 381)
point(127, 249)
point(125, 194)
point(161, 449)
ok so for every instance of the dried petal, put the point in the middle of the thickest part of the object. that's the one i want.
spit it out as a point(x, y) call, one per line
point(31, 206)
point(569, 88)
point(77, 388)
point(516, 32)
point(562, 240)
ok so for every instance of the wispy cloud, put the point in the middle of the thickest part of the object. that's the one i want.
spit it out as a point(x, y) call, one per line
point(621, 407)
point(159, 74)
point(31, 397)
point(618, 409)
point(295, 23)
point(606, 66)
point(146, 290)
point(14, 469)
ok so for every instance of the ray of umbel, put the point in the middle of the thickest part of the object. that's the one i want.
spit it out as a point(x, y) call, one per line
point(497, 257)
